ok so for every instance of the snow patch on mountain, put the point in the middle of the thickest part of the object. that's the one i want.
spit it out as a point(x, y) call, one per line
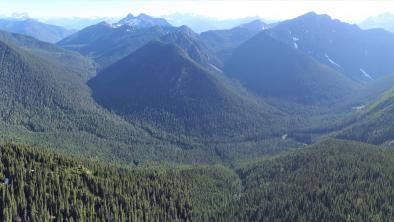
point(131, 21)
point(366, 74)
point(358, 107)
point(332, 61)
point(216, 68)
point(295, 39)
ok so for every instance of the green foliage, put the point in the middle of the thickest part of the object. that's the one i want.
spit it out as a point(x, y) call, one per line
point(374, 122)
point(161, 85)
point(72, 62)
point(331, 181)
point(107, 45)
point(42, 186)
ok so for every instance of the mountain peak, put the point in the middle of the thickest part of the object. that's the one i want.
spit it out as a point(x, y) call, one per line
point(255, 25)
point(20, 16)
point(259, 65)
point(315, 16)
point(129, 15)
point(186, 30)
point(311, 13)
point(160, 80)
point(141, 21)
point(144, 16)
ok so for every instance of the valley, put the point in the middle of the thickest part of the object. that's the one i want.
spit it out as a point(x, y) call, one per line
point(140, 120)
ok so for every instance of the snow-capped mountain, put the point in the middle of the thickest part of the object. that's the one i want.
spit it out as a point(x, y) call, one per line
point(141, 21)
point(360, 54)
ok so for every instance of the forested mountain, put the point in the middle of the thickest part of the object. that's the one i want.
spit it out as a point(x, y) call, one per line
point(36, 29)
point(45, 104)
point(193, 45)
point(271, 68)
point(45, 101)
point(40, 186)
point(362, 55)
point(30, 85)
point(141, 21)
point(108, 43)
point(223, 42)
point(374, 123)
point(144, 105)
point(71, 61)
point(330, 181)
point(161, 84)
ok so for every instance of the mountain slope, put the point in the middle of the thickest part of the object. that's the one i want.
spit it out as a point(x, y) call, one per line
point(31, 84)
point(36, 29)
point(223, 42)
point(161, 84)
point(42, 186)
point(108, 43)
point(142, 21)
point(71, 61)
point(362, 55)
point(385, 21)
point(271, 68)
point(374, 123)
point(195, 48)
point(43, 103)
point(330, 181)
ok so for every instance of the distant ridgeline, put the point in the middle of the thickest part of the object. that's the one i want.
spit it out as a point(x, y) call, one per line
point(226, 125)
point(140, 90)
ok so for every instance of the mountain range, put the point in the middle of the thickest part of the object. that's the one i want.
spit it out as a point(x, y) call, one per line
point(362, 55)
point(36, 29)
point(140, 120)
point(176, 88)
point(173, 86)
point(239, 80)
point(384, 21)
point(107, 43)
point(201, 23)
point(286, 74)
point(224, 41)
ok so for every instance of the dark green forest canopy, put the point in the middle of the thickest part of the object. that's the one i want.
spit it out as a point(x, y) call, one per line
point(255, 109)
point(331, 181)
point(41, 186)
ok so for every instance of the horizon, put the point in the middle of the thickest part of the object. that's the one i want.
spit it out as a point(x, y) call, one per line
point(270, 10)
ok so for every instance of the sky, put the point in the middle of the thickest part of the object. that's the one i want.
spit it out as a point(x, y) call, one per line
point(347, 10)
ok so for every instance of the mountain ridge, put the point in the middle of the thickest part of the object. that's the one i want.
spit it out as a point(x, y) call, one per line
point(44, 32)
point(190, 95)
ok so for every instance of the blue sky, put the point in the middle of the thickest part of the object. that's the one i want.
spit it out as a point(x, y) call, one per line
point(345, 10)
